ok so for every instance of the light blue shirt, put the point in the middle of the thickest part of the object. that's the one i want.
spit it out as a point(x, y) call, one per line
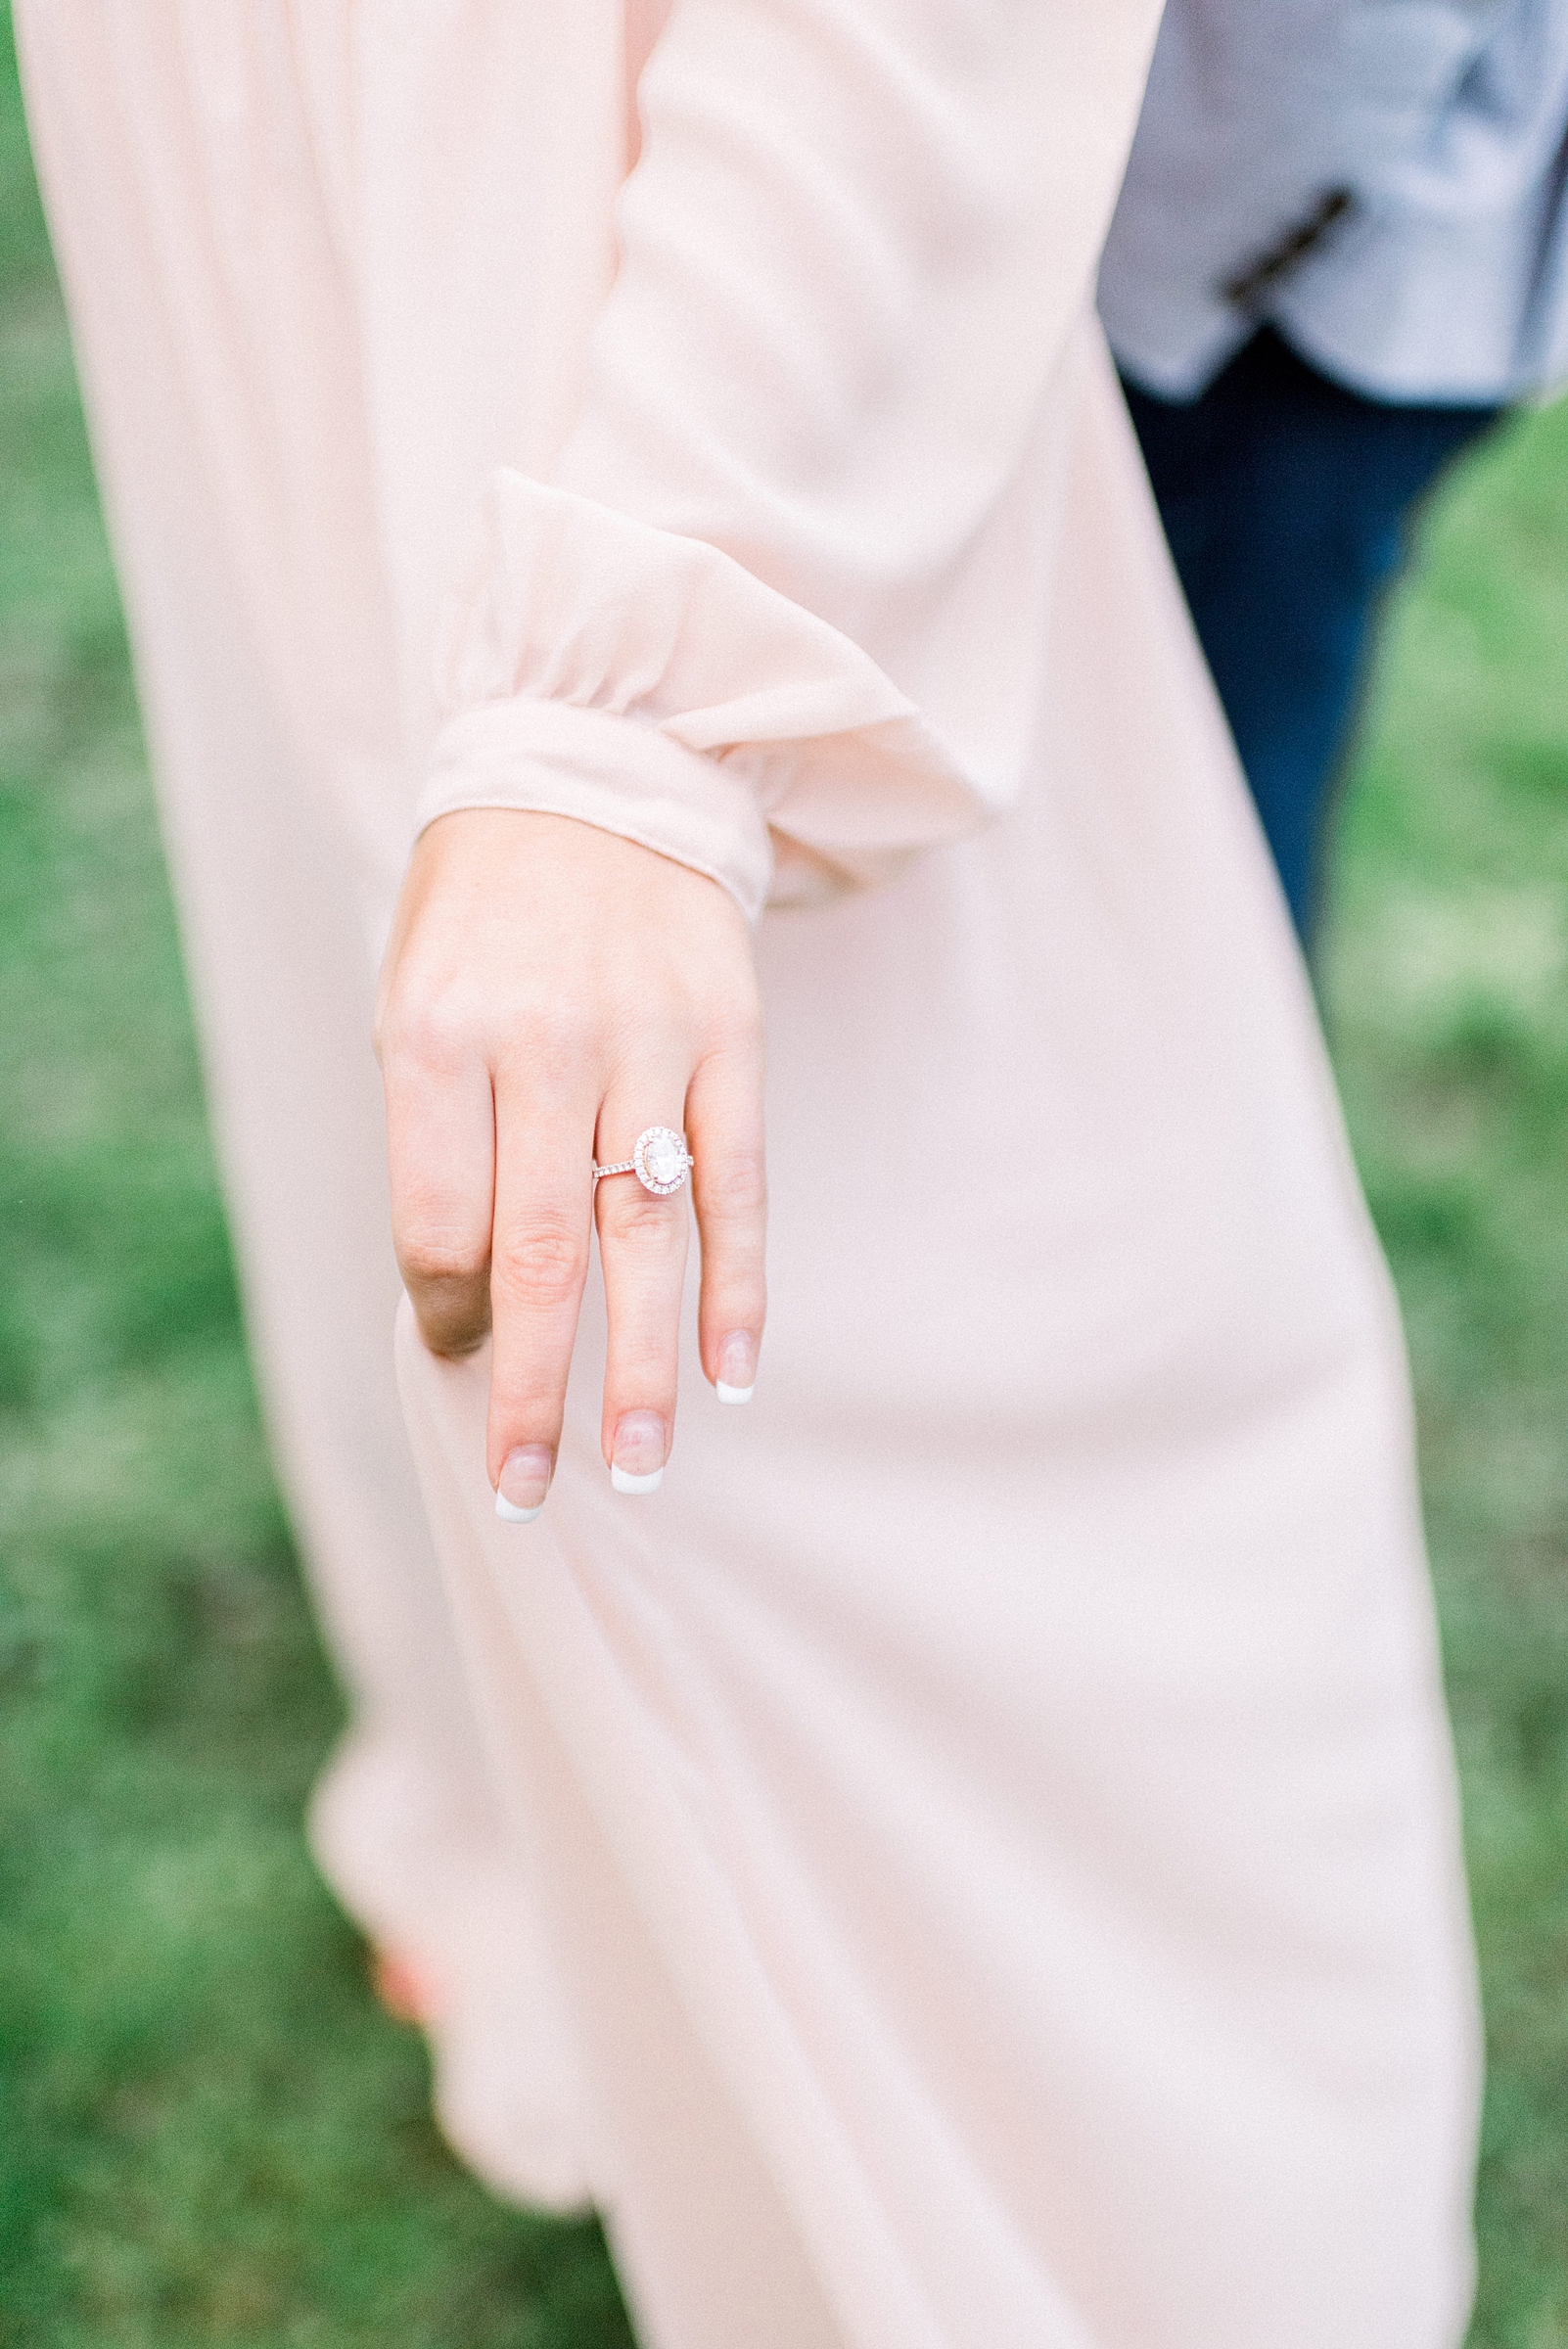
point(1382, 180)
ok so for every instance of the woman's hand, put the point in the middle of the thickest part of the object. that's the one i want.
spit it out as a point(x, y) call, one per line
point(549, 991)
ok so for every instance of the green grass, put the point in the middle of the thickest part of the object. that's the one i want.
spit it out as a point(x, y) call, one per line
point(209, 2134)
point(1446, 981)
point(209, 2131)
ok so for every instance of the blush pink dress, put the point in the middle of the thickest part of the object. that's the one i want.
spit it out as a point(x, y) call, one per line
point(972, 1861)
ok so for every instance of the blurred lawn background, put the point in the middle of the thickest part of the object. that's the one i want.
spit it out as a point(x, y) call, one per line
point(209, 2132)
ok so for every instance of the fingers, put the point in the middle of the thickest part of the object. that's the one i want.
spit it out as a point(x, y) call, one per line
point(492, 1204)
point(534, 962)
point(538, 1263)
point(729, 1182)
point(441, 1152)
point(643, 1241)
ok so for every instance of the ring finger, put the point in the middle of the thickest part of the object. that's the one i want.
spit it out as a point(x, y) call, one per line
point(643, 1239)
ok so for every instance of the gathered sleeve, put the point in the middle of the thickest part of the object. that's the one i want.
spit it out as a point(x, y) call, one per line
point(771, 612)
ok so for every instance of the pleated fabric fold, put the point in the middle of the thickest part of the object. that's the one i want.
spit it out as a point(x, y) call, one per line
point(607, 670)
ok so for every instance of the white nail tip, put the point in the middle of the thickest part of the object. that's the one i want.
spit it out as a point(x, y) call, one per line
point(623, 1482)
point(511, 1514)
point(733, 1394)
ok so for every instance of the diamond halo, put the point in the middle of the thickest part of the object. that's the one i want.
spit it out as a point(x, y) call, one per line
point(660, 1160)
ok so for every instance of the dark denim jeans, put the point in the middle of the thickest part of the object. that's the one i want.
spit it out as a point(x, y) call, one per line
point(1285, 498)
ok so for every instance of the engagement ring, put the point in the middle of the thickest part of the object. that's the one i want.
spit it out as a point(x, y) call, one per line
point(660, 1160)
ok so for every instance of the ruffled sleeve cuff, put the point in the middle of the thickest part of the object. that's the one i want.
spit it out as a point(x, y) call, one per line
point(604, 670)
point(611, 771)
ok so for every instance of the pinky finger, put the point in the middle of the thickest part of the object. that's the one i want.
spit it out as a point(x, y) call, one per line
point(729, 1185)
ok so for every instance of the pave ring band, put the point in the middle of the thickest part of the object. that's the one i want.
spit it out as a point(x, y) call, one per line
point(660, 1160)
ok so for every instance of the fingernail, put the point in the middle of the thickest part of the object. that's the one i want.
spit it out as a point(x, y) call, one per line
point(525, 1482)
point(737, 1368)
point(639, 1455)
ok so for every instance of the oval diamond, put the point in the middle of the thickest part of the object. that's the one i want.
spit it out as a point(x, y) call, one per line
point(660, 1159)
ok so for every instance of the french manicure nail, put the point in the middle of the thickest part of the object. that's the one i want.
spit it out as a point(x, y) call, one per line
point(737, 1368)
point(639, 1454)
point(525, 1482)
point(622, 1482)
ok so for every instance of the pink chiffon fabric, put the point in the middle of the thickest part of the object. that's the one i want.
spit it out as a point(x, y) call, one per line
point(973, 1860)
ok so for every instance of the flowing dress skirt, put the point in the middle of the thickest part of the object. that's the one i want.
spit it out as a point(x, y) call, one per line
point(973, 1861)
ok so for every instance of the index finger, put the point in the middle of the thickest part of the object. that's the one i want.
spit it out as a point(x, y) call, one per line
point(440, 1156)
